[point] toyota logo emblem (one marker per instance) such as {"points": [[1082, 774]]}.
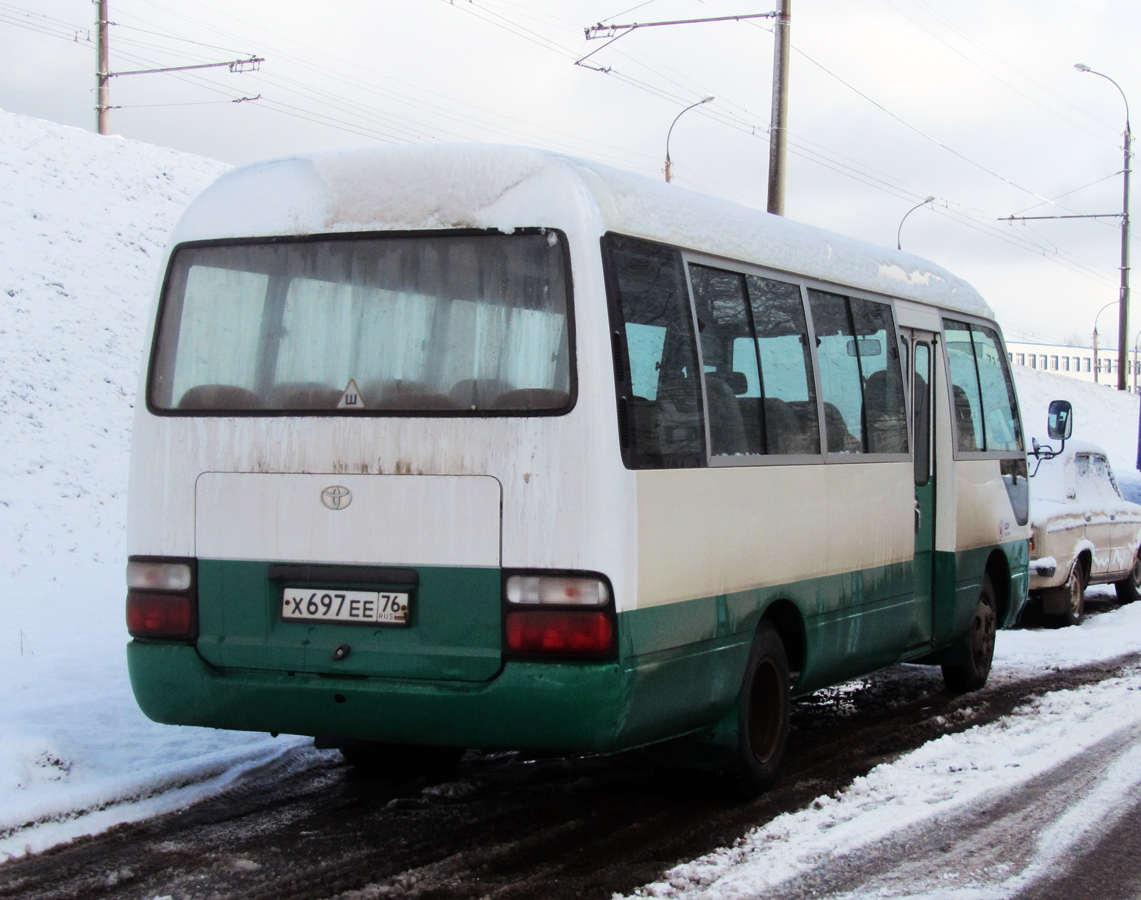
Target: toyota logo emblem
{"points": [[336, 496]]}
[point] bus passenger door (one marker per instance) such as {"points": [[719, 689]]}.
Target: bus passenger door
{"points": [[921, 355]]}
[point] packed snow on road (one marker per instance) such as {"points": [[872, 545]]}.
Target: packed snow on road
{"points": [[83, 221]]}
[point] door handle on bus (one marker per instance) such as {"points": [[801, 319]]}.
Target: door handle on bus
{"points": [[918, 517]]}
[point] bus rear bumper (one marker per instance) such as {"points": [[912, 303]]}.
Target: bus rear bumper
{"points": [[546, 706]]}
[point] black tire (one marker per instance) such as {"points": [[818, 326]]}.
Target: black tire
{"points": [[401, 760], [1129, 588], [978, 646], [762, 713], [1073, 595]]}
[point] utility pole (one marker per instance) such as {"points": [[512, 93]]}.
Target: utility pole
{"points": [[1123, 313], [103, 75], [777, 134], [1123, 296]]}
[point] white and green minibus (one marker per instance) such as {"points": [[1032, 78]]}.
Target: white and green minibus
{"points": [[488, 447]]}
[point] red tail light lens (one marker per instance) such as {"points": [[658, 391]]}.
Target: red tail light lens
{"points": [[160, 615], [559, 632]]}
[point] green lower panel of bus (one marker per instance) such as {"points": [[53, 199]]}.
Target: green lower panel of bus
{"points": [[553, 706], [679, 667]]}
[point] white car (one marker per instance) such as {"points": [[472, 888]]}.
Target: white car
{"points": [[1083, 532]]}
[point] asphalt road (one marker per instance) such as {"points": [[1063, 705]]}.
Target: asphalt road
{"points": [[514, 826]]}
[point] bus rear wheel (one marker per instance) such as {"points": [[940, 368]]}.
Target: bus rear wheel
{"points": [[763, 713], [978, 648]]}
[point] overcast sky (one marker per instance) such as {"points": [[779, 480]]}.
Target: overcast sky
{"points": [[973, 101]]}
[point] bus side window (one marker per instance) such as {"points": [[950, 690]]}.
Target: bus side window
{"points": [[1000, 409], [885, 413], [964, 386], [864, 406], [655, 357], [786, 363], [839, 372], [735, 426], [758, 365]]}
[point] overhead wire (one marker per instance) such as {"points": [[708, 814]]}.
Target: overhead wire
{"points": [[988, 72], [1004, 62], [379, 131], [370, 86]]}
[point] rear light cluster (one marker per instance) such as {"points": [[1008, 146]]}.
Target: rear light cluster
{"points": [[559, 615], [162, 599]]}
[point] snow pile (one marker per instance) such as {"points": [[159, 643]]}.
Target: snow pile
{"points": [[83, 221], [1102, 415]]}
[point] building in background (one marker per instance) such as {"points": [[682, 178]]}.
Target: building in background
{"points": [[1076, 362]]}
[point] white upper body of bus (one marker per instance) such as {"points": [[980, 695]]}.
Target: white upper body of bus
{"points": [[520, 486]]}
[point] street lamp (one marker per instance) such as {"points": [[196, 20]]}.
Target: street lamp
{"points": [[1123, 311], [904, 219], [669, 165], [1096, 365]]}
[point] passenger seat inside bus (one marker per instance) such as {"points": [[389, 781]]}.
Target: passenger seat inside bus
{"points": [[302, 395], [219, 396], [964, 420], [840, 440], [884, 413], [726, 428], [478, 393]]}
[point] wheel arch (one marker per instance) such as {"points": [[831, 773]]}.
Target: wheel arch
{"points": [[785, 617], [1084, 559], [998, 570]]}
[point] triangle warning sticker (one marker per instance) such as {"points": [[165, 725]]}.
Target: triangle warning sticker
{"points": [[351, 398]]}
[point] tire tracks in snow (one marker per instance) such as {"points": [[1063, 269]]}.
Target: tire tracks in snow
{"points": [[1044, 839]]}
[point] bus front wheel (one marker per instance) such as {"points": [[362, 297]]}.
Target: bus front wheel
{"points": [[978, 648], [763, 713]]}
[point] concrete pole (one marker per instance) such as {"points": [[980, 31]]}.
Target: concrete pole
{"points": [[1123, 313], [777, 135], [1096, 364], [103, 109]]}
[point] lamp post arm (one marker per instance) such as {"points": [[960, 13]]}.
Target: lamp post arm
{"points": [[899, 230], [671, 131]]}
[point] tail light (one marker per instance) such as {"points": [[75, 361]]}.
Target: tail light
{"points": [[561, 632], [162, 600], [564, 615]]}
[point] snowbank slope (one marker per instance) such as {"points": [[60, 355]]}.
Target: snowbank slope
{"points": [[83, 221], [1102, 415]]}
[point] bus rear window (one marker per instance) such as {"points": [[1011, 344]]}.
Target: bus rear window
{"points": [[449, 324]]}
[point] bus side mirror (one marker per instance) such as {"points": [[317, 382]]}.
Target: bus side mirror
{"points": [[1060, 423]]}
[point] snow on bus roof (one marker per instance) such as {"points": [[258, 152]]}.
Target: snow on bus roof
{"points": [[432, 186]]}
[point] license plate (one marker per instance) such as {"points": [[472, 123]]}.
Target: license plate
{"points": [[354, 607]]}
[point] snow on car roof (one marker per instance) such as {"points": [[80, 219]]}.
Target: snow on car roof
{"points": [[433, 186], [1052, 487]]}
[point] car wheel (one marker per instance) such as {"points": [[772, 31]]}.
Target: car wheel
{"points": [[762, 713], [978, 646], [1129, 588], [1074, 596]]}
